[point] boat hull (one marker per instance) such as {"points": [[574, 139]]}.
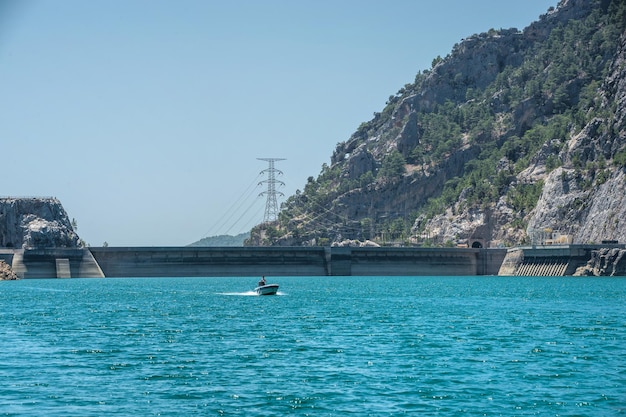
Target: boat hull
{"points": [[269, 289]]}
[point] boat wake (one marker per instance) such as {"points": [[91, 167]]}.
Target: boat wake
{"points": [[244, 294], [251, 293]]}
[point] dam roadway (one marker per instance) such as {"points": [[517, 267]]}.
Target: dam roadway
{"points": [[251, 261]]}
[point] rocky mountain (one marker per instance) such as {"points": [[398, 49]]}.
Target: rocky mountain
{"points": [[35, 223], [514, 137]]}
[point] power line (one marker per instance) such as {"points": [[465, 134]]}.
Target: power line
{"points": [[241, 216], [234, 208]]}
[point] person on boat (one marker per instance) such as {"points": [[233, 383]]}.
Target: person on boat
{"points": [[262, 282]]}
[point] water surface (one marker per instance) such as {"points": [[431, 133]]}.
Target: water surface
{"points": [[325, 346]]}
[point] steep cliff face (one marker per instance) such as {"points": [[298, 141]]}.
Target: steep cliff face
{"points": [[597, 212], [35, 223], [514, 136]]}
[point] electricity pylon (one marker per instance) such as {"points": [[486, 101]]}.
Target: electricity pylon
{"points": [[271, 206]]}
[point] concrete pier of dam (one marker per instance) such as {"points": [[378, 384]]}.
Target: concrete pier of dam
{"points": [[295, 261], [53, 263], [250, 261]]}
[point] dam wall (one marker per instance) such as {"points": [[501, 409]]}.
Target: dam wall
{"points": [[415, 261], [211, 261], [250, 261], [296, 261]]}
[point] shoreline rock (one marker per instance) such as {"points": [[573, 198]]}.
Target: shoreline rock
{"points": [[6, 273], [604, 262]]}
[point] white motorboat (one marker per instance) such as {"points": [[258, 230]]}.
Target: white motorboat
{"points": [[268, 289], [263, 288]]}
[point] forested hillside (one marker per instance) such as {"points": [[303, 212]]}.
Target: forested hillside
{"points": [[514, 137], [222, 240]]}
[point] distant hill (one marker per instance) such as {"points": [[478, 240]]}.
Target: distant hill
{"points": [[222, 240], [515, 137]]}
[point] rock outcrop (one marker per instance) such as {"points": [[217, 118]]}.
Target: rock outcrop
{"points": [[35, 223], [605, 262], [6, 273]]}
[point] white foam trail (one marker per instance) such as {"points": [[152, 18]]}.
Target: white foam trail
{"points": [[246, 294]]}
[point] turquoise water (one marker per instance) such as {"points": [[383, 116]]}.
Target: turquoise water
{"points": [[325, 346]]}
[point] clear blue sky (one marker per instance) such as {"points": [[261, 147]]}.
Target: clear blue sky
{"points": [[145, 117]]}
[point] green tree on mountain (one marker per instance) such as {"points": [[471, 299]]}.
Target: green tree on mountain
{"points": [[393, 166]]}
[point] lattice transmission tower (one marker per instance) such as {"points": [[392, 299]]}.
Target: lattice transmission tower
{"points": [[271, 206]]}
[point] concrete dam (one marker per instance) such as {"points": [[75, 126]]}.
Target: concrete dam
{"points": [[250, 261], [294, 261]]}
